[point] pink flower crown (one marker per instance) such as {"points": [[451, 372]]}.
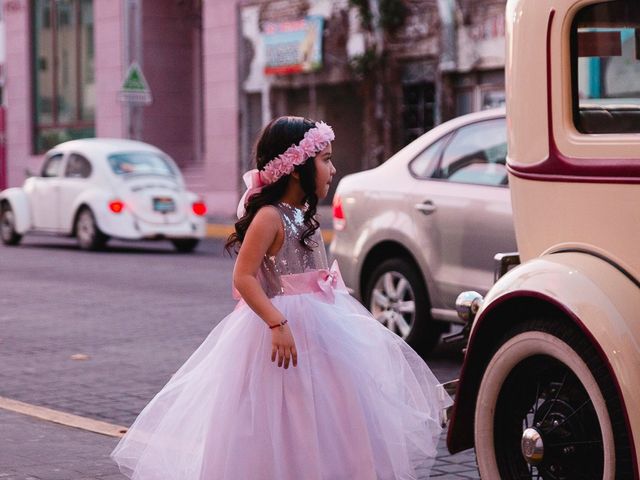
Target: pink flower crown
{"points": [[314, 141]]}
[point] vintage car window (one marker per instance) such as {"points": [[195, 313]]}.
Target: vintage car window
{"points": [[51, 167], [476, 154], [77, 167], [423, 164], [605, 51], [141, 163]]}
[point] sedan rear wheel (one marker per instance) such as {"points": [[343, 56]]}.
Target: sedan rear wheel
{"points": [[8, 232], [87, 232], [396, 296]]}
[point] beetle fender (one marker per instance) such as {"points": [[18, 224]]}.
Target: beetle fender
{"points": [[96, 200], [596, 295], [19, 203]]}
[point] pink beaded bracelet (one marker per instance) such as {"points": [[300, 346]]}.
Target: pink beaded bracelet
{"points": [[284, 322]]}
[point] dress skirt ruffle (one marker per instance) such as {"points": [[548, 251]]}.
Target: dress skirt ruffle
{"points": [[360, 405]]}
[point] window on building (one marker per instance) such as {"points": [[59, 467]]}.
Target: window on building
{"points": [[605, 47], [479, 91], [418, 109], [63, 60]]}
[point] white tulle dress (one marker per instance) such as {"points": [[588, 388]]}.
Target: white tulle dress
{"points": [[360, 405]]}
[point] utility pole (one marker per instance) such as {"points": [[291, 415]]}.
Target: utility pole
{"points": [[133, 53]]}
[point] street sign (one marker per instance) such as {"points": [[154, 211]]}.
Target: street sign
{"points": [[135, 89]]}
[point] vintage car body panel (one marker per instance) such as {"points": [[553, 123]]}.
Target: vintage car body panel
{"points": [[557, 172], [575, 203], [591, 291], [19, 202]]}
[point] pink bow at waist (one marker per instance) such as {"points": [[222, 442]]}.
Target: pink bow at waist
{"points": [[324, 281]]}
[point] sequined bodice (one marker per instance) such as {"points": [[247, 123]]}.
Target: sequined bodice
{"points": [[292, 256]]}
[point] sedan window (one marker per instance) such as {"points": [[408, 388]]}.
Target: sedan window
{"points": [[477, 154], [77, 167], [51, 167], [423, 165], [141, 163]]}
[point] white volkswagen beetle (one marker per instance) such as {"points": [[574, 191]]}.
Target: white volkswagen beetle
{"points": [[99, 188]]}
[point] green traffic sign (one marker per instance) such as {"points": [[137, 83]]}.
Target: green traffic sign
{"points": [[135, 89], [135, 81]]}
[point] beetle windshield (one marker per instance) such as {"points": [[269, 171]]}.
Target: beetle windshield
{"points": [[141, 163]]}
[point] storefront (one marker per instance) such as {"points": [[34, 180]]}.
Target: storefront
{"points": [[66, 67]]}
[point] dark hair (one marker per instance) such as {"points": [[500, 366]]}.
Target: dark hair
{"points": [[275, 138]]}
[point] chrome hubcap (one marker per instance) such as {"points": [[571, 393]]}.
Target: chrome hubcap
{"points": [[532, 446], [393, 303]]}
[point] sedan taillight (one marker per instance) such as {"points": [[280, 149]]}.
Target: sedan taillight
{"points": [[339, 222], [116, 206], [199, 208]]}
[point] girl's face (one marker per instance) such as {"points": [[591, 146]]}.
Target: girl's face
{"points": [[324, 172]]}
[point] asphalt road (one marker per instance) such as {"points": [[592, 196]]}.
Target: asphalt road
{"points": [[98, 334]]}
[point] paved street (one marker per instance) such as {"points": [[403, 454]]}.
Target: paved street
{"points": [[98, 334]]}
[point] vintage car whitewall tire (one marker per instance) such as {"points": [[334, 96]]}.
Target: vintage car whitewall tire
{"points": [[532, 359], [396, 296], [87, 232], [8, 233]]}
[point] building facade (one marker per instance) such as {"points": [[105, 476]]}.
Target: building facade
{"points": [[66, 63], [217, 70]]}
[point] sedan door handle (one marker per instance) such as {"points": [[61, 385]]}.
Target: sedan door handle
{"points": [[427, 207]]}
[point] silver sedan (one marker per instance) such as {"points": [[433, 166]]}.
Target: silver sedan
{"points": [[413, 233]]}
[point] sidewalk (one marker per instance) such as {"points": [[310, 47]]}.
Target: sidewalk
{"points": [[34, 449], [221, 227]]}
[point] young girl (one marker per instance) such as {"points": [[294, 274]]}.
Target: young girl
{"points": [[300, 382]]}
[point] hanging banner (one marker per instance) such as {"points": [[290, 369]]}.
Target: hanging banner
{"points": [[293, 47]]}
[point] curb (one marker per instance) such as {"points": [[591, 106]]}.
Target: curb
{"points": [[221, 231], [62, 418]]}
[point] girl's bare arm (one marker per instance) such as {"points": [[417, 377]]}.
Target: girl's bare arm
{"points": [[262, 235]]}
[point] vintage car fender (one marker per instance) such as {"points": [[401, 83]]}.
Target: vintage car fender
{"points": [[19, 202], [591, 291]]}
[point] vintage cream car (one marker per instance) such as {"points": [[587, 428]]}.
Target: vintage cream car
{"points": [[550, 386], [96, 188]]}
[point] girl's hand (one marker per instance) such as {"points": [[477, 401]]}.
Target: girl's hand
{"points": [[283, 346]]}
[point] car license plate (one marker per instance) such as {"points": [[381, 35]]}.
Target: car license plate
{"points": [[164, 204]]}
